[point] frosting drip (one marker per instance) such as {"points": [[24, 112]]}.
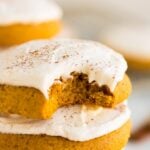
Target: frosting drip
{"points": [[39, 64]]}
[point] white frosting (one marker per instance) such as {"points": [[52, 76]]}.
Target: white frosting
{"points": [[132, 41], [77, 123], [39, 64], [28, 11]]}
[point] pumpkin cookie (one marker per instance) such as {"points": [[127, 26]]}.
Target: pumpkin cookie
{"points": [[45, 75], [71, 128], [132, 42]]}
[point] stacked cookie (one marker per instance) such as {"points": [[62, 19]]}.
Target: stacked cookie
{"points": [[63, 94], [25, 20]]}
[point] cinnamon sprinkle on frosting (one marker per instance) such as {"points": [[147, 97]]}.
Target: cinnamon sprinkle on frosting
{"points": [[45, 61]]}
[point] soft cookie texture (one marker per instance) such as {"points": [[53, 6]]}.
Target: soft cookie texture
{"points": [[132, 41], [112, 141], [28, 20], [76, 90], [46, 75]]}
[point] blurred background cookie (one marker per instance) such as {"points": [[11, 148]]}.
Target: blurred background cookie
{"points": [[133, 41], [25, 20]]}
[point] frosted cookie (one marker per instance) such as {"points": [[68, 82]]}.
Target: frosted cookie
{"points": [[133, 42], [45, 75], [71, 128], [25, 20]]}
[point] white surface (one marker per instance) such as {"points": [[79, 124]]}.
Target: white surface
{"points": [[77, 123], [139, 103], [142, 145], [28, 11], [139, 100], [39, 64]]}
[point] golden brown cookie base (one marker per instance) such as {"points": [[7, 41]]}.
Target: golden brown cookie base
{"points": [[31, 103], [19, 33], [138, 64], [112, 141]]}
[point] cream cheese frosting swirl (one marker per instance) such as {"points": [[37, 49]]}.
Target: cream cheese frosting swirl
{"points": [[39, 64]]}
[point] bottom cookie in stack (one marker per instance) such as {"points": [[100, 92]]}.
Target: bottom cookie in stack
{"points": [[77, 127]]}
